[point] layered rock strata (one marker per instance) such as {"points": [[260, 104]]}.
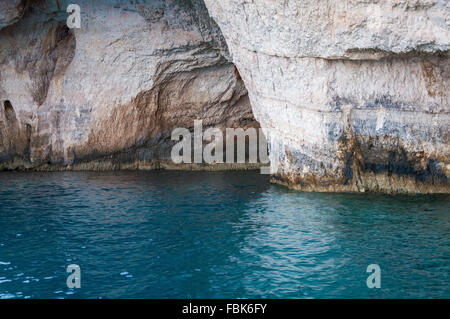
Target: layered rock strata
{"points": [[353, 95]]}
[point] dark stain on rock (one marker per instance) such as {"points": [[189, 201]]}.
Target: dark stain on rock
{"points": [[367, 163], [386, 155], [384, 101], [435, 74], [237, 74]]}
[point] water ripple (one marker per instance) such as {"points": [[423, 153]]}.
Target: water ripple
{"points": [[214, 235]]}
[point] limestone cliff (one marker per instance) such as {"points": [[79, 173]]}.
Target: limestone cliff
{"points": [[353, 94], [108, 95]]}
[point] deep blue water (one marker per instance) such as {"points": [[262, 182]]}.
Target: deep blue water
{"points": [[214, 235]]}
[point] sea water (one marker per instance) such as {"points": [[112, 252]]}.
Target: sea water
{"points": [[214, 235]]}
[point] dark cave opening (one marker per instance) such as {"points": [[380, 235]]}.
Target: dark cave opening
{"points": [[8, 107]]}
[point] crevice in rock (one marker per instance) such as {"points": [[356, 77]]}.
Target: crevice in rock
{"points": [[57, 52]]}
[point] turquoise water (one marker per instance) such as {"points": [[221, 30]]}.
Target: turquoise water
{"points": [[214, 235]]}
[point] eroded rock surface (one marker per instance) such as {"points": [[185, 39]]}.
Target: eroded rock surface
{"points": [[108, 95], [353, 95], [11, 11]]}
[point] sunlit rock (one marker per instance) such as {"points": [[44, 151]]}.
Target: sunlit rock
{"points": [[354, 94]]}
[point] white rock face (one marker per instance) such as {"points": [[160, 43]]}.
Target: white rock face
{"points": [[354, 95], [108, 95], [354, 29]]}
